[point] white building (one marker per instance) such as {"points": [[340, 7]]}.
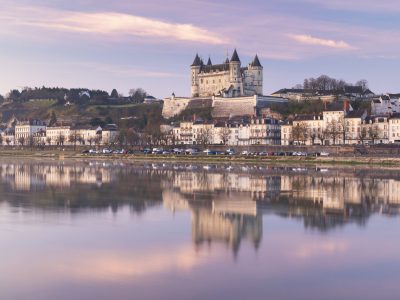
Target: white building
{"points": [[386, 105], [58, 135], [25, 130]]}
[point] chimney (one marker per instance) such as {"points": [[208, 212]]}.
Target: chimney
{"points": [[346, 105]]}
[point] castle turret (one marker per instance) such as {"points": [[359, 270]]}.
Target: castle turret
{"points": [[256, 69], [235, 74], [195, 71]]}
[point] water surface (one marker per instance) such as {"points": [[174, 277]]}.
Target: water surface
{"points": [[96, 230]]}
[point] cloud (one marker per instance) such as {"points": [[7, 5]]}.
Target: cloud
{"points": [[310, 40], [108, 23]]}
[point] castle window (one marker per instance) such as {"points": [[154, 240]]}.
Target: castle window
{"points": [[202, 81]]}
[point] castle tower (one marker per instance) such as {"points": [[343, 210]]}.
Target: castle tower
{"points": [[235, 74], [195, 71], [257, 71]]}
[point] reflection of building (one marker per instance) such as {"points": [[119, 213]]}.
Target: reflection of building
{"points": [[27, 177], [208, 227]]}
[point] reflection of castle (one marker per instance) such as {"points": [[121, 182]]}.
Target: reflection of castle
{"points": [[223, 220], [224, 203]]}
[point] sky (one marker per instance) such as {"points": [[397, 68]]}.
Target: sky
{"points": [[124, 44]]}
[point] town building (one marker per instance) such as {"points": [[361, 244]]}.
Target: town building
{"points": [[386, 105], [24, 131]]}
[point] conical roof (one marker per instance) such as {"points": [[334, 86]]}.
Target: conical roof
{"points": [[235, 57], [209, 63], [256, 62], [196, 62]]}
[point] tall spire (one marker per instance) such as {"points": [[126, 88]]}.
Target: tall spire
{"points": [[196, 62], [235, 57], [209, 63], [256, 62]]}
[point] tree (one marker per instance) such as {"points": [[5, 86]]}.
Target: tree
{"points": [[31, 141], [334, 130], [21, 140], [74, 138], [53, 119], [8, 141], [373, 133], [97, 140], [362, 135], [137, 95], [344, 128], [60, 140], [224, 134], [204, 136], [1, 139], [363, 83], [299, 133], [114, 94], [322, 135], [132, 137], [121, 138], [48, 140], [14, 95]]}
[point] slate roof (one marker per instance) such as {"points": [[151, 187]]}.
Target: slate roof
{"points": [[256, 62], [235, 57], [196, 62]]}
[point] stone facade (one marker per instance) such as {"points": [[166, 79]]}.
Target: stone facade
{"points": [[226, 79]]}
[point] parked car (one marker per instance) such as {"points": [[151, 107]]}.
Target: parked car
{"points": [[191, 151], [323, 153], [147, 151], [209, 152], [107, 151], [245, 152], [230, 152]]}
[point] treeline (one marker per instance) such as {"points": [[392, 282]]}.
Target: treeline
{"points": [[76, 95], [326, 83]]}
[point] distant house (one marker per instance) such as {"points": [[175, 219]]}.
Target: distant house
{"points": [[386, 105], [150, 99]]}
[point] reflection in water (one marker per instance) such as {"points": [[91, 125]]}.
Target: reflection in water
{"points": [[96, 230], [226, 203]]}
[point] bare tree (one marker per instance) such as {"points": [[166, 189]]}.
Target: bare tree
{"points": [[74, 138], [204, 136], [21, 141], [48, 140], [60, 139], [224, 134], [8, 141], [363, 83], [373, 133], [299, 133], [334, 130], [363, 135]]}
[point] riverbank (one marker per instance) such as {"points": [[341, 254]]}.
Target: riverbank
{"points": [[390, 162]]}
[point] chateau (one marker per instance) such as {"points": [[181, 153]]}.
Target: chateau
{"points": [[228, 79], [228, 89]]}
